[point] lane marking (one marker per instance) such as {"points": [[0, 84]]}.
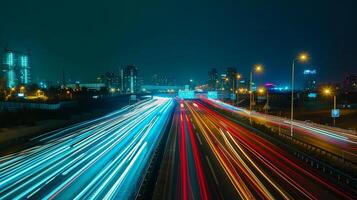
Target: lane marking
{"points": [[199, 139], [211, 168]]}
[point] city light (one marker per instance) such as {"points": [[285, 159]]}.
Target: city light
{"points": [[327, 91], [303, 57], [258, 68], [261, 90], [200, 105]]}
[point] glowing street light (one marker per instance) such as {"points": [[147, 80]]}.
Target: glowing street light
{"points": [[257, 68], [302, 57], [237, 77], [328, 92], [261, 90]]}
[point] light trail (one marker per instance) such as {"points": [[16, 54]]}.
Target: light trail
{"points": [[190, 160], [338, 141], [183, 177], [105, 158], [257, 168]]}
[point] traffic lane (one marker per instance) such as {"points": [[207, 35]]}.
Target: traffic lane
{"points": [[218, 183], [187, 175], [59, 152], [43, 143], [167, 178], [272, 149], [235, 172], [327, 133], [340, 145], [224, 173], [191, 181]]}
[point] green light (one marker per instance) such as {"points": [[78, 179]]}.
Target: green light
{"points": [[10, 59], [24, 61]]}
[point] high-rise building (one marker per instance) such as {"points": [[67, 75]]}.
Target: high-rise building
{"points": [[129, 77], [213, 79], [310, 79], [16, 69], [350, 83], [232, 80]]}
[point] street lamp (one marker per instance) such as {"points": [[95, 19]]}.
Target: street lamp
{"points": [[257, 68], [328, 92], [302, 57], [237, 77], [262, 90]]}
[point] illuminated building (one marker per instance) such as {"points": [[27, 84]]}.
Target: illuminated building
{"points": [[129, 78], [231, 81], [16, 69], [213, 79], [310, 79]]}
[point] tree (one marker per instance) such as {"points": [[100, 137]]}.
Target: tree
{"points": [[2, 88]]}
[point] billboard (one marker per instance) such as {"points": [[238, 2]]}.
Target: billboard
{"points": [[186, 94], [212, 95]]}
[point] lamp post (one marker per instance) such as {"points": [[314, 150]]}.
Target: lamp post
{"points": [[302, 58], [328, 92], [237, 77], [262, 90], [256, 68]]}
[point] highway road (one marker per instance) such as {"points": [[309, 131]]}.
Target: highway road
{"points": [[182, 175], [257, 168], [105, 158], [338, 141]]}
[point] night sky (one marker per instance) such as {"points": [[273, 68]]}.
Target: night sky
{"points": [[182, 38]]}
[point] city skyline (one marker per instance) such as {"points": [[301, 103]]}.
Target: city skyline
{"points": [[182, 44], [181, 99]]}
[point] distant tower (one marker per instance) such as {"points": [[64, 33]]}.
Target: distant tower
{"points": [[130, 79], [213, 79], [310, 80], [231, 75], [16, 68]]}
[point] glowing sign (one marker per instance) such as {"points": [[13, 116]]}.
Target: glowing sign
{"points": [[212, 95], [309, 71], [186, 94], [312, 95], [335, 113]]}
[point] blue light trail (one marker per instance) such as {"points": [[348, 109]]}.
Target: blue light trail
{"points": [[105, 158]]}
